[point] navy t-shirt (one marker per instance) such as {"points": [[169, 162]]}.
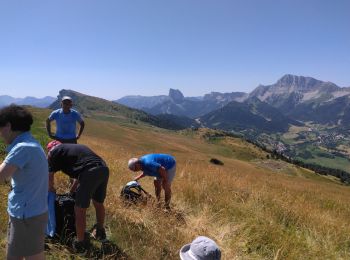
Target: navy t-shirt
{"points": [[72, 159]]}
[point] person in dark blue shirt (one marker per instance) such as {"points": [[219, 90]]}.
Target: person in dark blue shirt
{"points": [[90, 174], [160, 166]]}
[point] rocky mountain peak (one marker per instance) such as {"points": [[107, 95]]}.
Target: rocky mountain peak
{"points": [[302, 84], [211, 95], [298, 82], [176, 95], [289, 79]]}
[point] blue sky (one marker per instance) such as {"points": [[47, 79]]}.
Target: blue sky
{"points": [[113, 48]]}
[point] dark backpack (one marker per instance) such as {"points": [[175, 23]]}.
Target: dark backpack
{"points": [[133, 192], [65, 217]]}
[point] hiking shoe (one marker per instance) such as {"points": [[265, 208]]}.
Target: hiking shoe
{"points": [[80, 247], [99, 233]]}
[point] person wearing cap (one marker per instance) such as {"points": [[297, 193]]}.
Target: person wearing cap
{"points": [[66, 119], [202, 248], [160, 166], [91, 174], [26, 166]]}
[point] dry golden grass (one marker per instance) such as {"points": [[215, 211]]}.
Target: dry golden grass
{"points": [[254, 208], [253, 212]]}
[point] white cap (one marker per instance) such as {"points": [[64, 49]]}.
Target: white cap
{"points": [[132, 163], [66, 98]]}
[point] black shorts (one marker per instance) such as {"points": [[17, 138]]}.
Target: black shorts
{"points": [[92, 185], [67, 141]]}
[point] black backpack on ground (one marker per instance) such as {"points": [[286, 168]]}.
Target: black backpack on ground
{"points": [[65, 218], [133, 192]]}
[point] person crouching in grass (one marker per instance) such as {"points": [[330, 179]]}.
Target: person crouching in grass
{"points": [[26, 166]]}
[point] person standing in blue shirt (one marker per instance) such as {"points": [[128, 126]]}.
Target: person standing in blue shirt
{"points": [[162, 167], [26, 166], [66, 119]]}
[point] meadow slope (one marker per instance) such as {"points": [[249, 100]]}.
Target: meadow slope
{"points": [[254, 207]]}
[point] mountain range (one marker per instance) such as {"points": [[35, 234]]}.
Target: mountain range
{"points": [[176, 104], [307, 99], [296, 99], [31, 101], [292, 100]]}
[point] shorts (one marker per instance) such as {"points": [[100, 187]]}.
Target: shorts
{"points": [[92, 185], [26, 237], [170, 173]]}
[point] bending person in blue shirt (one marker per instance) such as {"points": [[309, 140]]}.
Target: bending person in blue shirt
{"points": [[66, 119], [161, 166], [27, 167]]}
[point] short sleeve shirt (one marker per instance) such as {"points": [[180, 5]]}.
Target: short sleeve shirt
{"points": [[72, 159], [65, 123], [28, 197], [152, 162]]}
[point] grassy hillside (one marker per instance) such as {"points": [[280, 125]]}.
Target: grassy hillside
{"points": [[103, 109], [254, 207]]}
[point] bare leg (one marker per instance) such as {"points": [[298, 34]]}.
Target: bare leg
{"points": [[167, 191], [157, 188], [100, 213], [80, 222]]}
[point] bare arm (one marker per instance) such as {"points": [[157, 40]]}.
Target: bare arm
{"points": [[6, 171], [81, 129], [52, 182], [48, 128], [139, 176]]}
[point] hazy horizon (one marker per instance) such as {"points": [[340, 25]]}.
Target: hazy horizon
{"points": [[166, 94]]}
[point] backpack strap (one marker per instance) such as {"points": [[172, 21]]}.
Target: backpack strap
{"points": [[144, 191]]}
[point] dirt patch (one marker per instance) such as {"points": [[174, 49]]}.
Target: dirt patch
{"points": [[273, 165]]}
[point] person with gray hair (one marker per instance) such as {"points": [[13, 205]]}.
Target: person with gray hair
{"points": [[202, 248], [160, 166]]}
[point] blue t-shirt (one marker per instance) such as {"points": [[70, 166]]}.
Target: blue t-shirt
{"points": [[28, 197], [65, 123], [152, 162]]}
